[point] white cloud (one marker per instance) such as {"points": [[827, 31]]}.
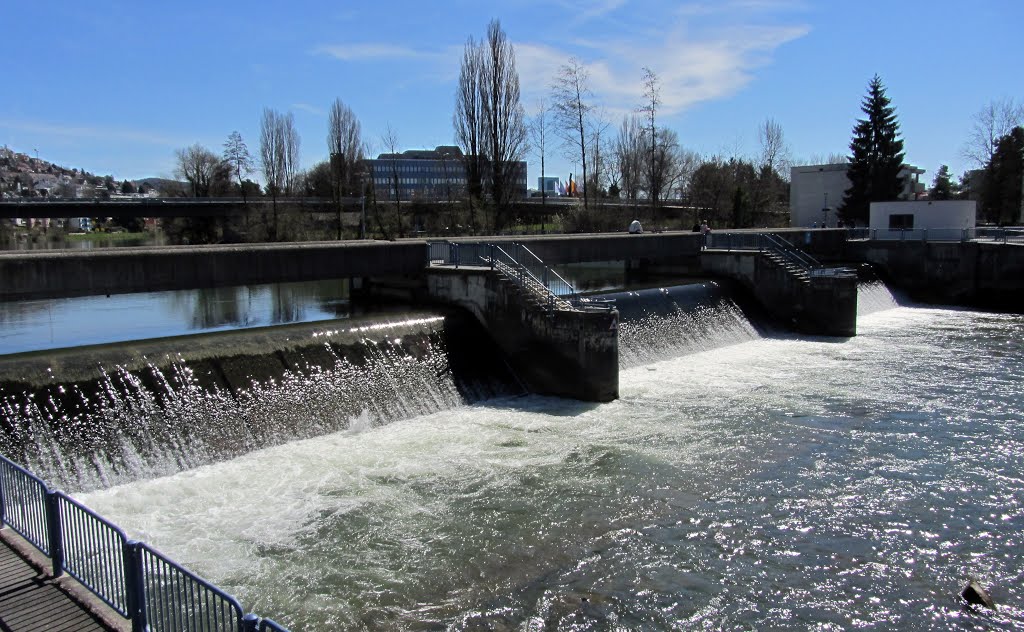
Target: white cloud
{"points": [[692, 69], [358, 52], [305, 107]]}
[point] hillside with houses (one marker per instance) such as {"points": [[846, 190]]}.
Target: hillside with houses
{"points": [[24, 176]]}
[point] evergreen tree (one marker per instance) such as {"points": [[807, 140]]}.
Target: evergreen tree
{"points": [[1004, 181], [943, 187], [876, 156]]}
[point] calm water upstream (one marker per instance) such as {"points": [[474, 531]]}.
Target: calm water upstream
{"points": [[763, 483], [72, 322]]}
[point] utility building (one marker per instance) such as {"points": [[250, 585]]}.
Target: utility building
{"points": [[816, 192]]}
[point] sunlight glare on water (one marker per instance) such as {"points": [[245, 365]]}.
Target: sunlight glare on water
{"points": [[776, 482]]}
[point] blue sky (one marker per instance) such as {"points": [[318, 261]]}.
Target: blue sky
{"points": [[116, 87]]}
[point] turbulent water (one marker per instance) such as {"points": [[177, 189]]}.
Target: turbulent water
{"points": [[746, 483]]}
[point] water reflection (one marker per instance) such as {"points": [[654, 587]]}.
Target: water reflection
{"points": [[58, 323]]}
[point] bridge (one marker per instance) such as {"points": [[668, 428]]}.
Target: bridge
{"points": [[161, 207]]}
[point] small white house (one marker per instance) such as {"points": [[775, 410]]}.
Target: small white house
{"points": [[923, 214]]}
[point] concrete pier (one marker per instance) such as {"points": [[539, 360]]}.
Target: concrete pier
{"points": [[555, 352]]}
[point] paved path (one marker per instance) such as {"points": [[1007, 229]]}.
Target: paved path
{"points": [[31, 601]]}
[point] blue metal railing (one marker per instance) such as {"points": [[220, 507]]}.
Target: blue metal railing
{"points": [[141, 584], [23, 504], [94, 553], [176, 600], [771, 243]]}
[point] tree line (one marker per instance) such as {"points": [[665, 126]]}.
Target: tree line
{"points": [[638, 161]]}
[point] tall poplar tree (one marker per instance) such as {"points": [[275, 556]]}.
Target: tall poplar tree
{"points": [[876, 156]]}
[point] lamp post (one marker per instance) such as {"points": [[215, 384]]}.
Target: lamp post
{"points": [[362, 203]]}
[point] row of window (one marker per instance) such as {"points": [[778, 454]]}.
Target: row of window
{"points": [[420, 181], [385, 166]]}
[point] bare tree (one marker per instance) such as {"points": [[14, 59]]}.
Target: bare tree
{"points": [[771, 164], [539, 141], [390, 142], [292, 169], [652, 99], [571, 105], [628, 150], [469, 121], [773, 144], [598, 140], [504, 119], [345, 145], [991, 123], [236, 154], [197, 165], [273, 159]]}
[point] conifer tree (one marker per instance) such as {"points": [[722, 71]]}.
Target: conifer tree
{"points": [[876, 156]]}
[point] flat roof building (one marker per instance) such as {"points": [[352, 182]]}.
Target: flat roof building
{"points": [[816, 192], [428, 174]]}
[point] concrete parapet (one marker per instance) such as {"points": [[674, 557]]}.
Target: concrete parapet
{"points": [[989, 275], [32, 275], [565, 353]]}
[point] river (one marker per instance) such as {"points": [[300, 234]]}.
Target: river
{"points": [[750, 482]]}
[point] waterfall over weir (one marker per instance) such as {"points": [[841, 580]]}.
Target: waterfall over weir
{"points": [[661, 323], [150, 411], [145, 417]]}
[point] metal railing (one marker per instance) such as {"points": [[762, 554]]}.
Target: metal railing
{"points": [[94, 553], [939, 235], [774, 244], [23, 504], [141, 584], [519, 264], [177, 600]]}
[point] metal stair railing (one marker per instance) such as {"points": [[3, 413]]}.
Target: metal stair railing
{"points": [[790, 253], [521, 274], [771, 243], [519, 264]]}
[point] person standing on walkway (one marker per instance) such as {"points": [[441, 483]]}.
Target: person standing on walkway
{"points": [[704, 231]]}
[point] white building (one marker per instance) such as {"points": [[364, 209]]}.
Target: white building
{"points": [[923, 214], [816, 192]]}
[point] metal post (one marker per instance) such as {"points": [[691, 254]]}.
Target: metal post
{"points": [[250, 622], [362, 217], [3, 501], [135, 585], [53, 529]]}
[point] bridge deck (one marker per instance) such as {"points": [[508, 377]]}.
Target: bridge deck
{"points": [[29, 600]]}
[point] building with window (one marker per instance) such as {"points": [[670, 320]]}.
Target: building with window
{"points": [[816, 192], [549, 185], [428, 174]]}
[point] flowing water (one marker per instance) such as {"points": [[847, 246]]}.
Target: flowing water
{"points": [[743, 482]]}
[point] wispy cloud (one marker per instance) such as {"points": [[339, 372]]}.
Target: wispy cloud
{"points": [[305, 107], [369, 51], [692, 69], [89, 132]]}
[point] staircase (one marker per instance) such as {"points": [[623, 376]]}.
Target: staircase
{"points": [[540, 286], [790, 284]]}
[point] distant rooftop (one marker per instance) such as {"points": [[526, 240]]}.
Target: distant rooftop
{"points": [[450, 152]]}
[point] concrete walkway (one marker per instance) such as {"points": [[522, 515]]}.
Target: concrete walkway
{"points": [[30, 600]]}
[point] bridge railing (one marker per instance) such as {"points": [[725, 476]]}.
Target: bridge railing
{"points": [[938, 235], [139, 583]]}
